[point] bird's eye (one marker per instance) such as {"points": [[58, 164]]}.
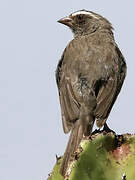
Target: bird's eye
{"points": [[80, 18]]}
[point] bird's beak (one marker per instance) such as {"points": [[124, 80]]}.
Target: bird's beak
{"points": [[67, 21]]}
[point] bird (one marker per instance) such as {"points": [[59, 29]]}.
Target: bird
{"points": [[89, 77]]}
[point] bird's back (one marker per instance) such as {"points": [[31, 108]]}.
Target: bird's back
{"points": [[88, 63]]}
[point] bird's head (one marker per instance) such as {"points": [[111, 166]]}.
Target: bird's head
{"points": [[85, 22]]}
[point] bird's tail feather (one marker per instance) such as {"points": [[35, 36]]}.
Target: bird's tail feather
{"points": [[74, 140]]}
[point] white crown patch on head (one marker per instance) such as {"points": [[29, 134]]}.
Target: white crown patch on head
{"points": [[85, 12]]}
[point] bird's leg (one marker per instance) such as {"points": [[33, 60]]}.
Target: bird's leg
{"points": [[96, 131], [107, 129]]}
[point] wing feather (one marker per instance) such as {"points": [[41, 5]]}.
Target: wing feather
{"points": [[68, 102], [105, 100], [70, 111]]}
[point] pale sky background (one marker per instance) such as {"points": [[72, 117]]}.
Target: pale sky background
{"points": [[31, 43]]}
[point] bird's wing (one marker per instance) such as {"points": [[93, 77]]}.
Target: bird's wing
{"points": [[68, 102], [105, 100], [109, 91]]}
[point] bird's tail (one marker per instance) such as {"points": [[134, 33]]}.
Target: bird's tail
{"points": [[74, 140]]}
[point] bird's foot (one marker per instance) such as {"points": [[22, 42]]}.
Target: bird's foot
{"points": [[96, 131], [107, 129]]}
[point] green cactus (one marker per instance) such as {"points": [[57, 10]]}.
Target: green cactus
{"points": [[103, 157]]}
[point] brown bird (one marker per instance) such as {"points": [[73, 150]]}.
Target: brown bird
{"points": [[89, 76]]}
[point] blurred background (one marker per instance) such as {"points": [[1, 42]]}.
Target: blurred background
{"points": [[31, 43]]}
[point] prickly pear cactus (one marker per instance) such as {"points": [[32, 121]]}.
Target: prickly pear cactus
{"points": [[103, 157]]}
